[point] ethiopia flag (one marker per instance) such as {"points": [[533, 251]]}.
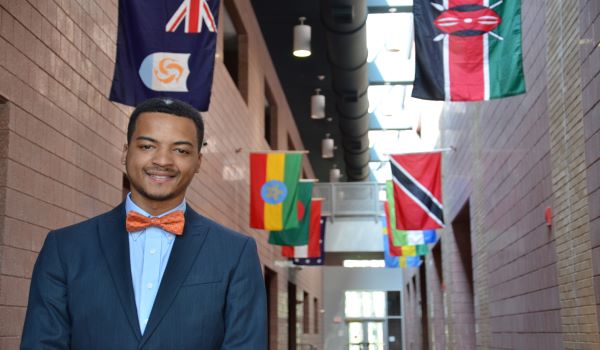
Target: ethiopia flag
{"points": [[299, 235], [468, 50], [274, 190]]}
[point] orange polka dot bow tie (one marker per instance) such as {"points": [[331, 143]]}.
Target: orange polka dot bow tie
{"points": [[172, 222]]}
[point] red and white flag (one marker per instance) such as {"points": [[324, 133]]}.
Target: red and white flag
{"points": [[418, 190], [313, 248]]}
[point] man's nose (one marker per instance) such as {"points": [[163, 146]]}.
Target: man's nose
{"points": [[163, 157]]}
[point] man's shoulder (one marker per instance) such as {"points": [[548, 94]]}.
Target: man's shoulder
{"points": [[217, 229], [88, 225]]}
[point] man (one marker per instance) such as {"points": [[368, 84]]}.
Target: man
{"points": [[130, 279]]}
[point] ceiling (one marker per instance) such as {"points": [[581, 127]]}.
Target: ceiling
{"points": [[392, 114], [300, 76]]}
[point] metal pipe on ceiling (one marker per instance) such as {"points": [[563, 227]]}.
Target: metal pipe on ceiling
{"points": [[345, 23]]}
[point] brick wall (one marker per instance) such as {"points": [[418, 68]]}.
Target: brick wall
{"points": [[589, 20], [62, 139], [570, 196], [533, 285]]}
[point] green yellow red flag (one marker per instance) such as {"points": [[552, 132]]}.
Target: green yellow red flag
{"points": [[274, 180]]}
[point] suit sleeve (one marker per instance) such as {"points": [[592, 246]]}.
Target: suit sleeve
{"points": [[246, 305], [47, 322]]}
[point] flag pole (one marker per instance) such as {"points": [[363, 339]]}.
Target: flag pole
{"points": [[280, 151], [445, 149]]}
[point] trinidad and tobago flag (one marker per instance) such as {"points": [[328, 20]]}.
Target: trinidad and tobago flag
{"points": [[417, 187], [468, 50]]}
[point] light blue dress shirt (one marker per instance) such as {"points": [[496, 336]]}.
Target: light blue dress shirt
{"points": [[149, 252]]}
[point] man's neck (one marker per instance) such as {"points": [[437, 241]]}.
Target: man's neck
{"points": [[156, 208]]}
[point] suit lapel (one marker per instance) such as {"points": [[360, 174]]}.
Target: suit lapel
{"points": [[115, 246], [184, 253]]}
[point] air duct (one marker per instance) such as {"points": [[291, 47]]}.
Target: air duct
{"points": [[345, 22]]}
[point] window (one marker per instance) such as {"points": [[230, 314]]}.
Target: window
{"points": [[235, 47], [291, 316], [393, 303], [271, 286], [271, 124], [316, 313], [364, 304], [305, 313]]}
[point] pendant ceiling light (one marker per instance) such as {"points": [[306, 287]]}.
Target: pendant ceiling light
{"points": [[302, 39], [327, 147], [317, 105], [334, 174]]}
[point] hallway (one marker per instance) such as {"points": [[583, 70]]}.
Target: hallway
{"points": [[517, 264]]}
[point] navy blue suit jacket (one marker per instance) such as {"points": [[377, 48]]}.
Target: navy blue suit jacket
{"points": [[212, 294]]}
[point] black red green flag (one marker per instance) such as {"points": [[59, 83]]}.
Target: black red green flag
{"points": [[468, 50]]}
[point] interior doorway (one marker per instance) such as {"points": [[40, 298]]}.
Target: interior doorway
{"points": [[366, 335], [461, 227]]}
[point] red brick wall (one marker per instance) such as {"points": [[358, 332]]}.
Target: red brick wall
{"points": [[590, 73], [502, 169], [61, 163]]}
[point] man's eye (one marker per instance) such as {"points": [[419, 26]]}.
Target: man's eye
{"points": [[146, 147], [182, 151]]}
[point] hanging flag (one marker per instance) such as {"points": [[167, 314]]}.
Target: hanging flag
{"points": [[274, 180], [414, 250], [390, 260], [165, 48], [394, 250], [410, 261], [420, 237], [315, 261], [314, 247], [418, 190], [467, 50], [397, 237], [398, 241], [299, 235]]}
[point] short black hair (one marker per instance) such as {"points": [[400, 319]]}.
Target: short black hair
{"points": [[169, 106]]}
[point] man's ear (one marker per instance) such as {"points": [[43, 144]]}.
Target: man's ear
{"points": [[198, 162], [124, 154]]}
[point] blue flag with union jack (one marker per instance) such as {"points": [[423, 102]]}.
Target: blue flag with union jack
{"points": [[165, 48]]}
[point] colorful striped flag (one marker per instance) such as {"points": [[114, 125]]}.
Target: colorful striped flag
{"points": [[410, 261], [391, 261], [402, 249], [414, 250], [299, 235], [468, 50], [420, 237], [313, 249], [417, 179], [274, 180], [394, 250]]}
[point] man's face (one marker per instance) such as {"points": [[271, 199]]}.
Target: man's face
{"points": [[161, 160]]}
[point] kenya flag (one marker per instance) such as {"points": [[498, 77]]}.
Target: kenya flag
{"points": [[468, 50]]}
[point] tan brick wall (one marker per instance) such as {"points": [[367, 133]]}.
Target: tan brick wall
{"points": [[62, 163], [590, 73], [571, 220], [502, 168]]}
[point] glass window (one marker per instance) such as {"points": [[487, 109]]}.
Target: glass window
{"points": [[393, 303], [363, 304]]}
